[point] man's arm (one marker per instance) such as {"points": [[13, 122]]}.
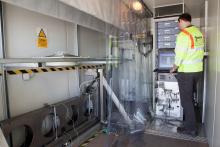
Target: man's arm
{"points": [[181, 48]]}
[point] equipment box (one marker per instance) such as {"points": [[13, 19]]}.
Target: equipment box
{"points": [[167, 38], [168, 31], [167, 24], [166, 45], [168, 100]]}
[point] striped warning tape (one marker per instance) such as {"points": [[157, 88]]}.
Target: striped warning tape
{"points": [[91, 138], [50, 69]]}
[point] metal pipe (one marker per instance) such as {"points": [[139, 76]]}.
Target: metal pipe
{"points": [[4, 85], [117, 102], [205, 65], [2, 31], [204, 91], [4, 75], [54, 59], [89, 106], [6, 102], [101, 96], [55, 122]]}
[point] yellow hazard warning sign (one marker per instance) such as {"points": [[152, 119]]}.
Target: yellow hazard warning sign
{"points": [[42, 41]]}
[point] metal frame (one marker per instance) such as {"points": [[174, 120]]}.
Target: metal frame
{"points": [[68, 124], [5, 98], [55, 59], [101, 96], [28, 62], [10, 63], [155, 53], [164, 19], [205, 65], [159, 6], [174, 14], [85, 136], [205, 61]]}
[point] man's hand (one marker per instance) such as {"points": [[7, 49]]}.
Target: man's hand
{"points": [[173, 69]]}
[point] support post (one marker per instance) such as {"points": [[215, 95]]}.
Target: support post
{"points": [[117, 102], [101, 96]]}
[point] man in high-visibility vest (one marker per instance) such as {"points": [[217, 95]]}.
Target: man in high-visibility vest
{"points": [[189, 53]]}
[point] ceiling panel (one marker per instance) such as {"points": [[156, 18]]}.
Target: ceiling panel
{"points": [[193, 6], [150, 4]]}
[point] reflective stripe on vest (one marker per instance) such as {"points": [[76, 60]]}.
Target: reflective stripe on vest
{"points": [[191, 38], [199, 49], [192, 62], [190, 49]]}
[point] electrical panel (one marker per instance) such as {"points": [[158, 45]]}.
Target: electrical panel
{"points": [[167, 97], [166, 34]]}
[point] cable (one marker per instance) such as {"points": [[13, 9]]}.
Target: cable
{"points": [[55, 124], [55, 121], [89, 89], [73, 124]]}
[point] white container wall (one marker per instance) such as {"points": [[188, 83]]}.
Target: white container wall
{"points": [[21, 34], [212, 123]]}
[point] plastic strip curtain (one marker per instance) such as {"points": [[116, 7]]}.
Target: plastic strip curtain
{"points": [[130, 80]]}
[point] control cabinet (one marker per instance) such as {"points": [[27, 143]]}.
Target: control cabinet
{"points": [[166, 34], [166, 92]]}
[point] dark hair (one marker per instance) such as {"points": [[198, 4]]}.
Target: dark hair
{"points": [[185, 17]]}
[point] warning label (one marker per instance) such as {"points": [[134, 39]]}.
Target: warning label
{"points": [[42, 41]]}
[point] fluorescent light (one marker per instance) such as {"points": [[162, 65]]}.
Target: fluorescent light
{"points": [[137, 6]]}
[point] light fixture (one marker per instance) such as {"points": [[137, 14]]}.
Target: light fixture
{"points": [[137, 5]]}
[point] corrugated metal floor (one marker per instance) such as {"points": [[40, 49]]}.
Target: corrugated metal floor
{"points": [[157, 134], [169, 129], [142, 140]]}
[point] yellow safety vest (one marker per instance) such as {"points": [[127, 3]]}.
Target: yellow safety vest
{"points": [[189, 50]]}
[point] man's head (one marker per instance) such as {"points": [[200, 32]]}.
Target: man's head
{"points": [[184, 20]]}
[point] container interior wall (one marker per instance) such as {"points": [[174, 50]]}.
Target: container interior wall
{"points": [[91, 43], [214, 72], [21, 27], [212, 109], [20, 37], [216, 140], [62, 25], [107, 11], [21, 33]]}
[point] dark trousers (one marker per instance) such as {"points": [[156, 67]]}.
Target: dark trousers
{"points": [[187, 85]]}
